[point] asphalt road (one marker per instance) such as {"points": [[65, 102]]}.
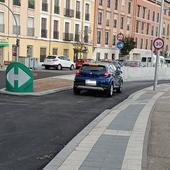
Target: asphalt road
{"points": [[38, 74], [34, 129]]}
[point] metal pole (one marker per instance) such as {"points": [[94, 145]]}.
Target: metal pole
{"points": [[160, 34], [17, 33]]}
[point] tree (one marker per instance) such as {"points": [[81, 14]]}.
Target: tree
{"points": [[129, 44]]}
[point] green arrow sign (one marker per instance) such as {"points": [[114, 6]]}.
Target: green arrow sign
{"points": [[19, 78]]}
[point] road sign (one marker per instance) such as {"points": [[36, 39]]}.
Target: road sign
{"points": [[120, 45], [19, 78], [120, 36], [158, 43]]}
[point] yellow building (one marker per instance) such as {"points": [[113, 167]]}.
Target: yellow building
{"points": [[46, 27]]}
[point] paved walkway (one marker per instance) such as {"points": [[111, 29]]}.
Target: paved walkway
{"points": [[117, 139]]}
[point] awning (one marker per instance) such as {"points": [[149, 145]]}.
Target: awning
{"points": [[4, 44]]}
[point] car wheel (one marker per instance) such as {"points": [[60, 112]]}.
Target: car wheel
{"points": [[47, 67], [72, 67], [76, 91], [59, 67], [109, 92], [119, 89]]}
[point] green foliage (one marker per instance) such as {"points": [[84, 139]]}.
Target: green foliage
{"points": [[129, 44]]}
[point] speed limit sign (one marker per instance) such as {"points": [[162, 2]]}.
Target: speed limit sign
{"points": [[158, 43]]}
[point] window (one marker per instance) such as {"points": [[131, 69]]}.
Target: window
{"points": [[156, 31], [144, 12], [42, 54], [164, 29], [153, 16], [44, 5], [55, 30], [77, 37], [106, 38], [107, 18], [128, 23], [121, 22], [55, 51], [108, 3], [100, 2], [168, 30], [151, 44], [141, 44], [148, 14], [138, 11], [137, 26], [116, 4], [29, 51], [17, 2], [87, 15], [98, 57], [30, 28], [146, 45], [115, 20], [66, 52], [31, 4], [147, 29], [86, 31], [152, 30], [44, 27], [123, 6], [98, 37], [78, 9], [1, 22], [157, 17], [105, 56], [143, 27], [56, 7], [99, 17], [129, 7], [16, 29], [113, 40]]}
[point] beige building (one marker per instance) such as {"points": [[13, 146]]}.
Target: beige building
{"points": [[46, 27]]}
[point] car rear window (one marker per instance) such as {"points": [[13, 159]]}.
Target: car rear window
{"points": [[51, 57], [93, 68]]}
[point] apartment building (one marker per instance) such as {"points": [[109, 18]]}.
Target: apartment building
{"points": [[134, 18], [46, 27]]}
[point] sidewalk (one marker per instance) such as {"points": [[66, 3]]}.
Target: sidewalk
{"points": [[118, 138]]}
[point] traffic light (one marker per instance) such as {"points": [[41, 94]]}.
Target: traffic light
{"points": [[17, 42]]}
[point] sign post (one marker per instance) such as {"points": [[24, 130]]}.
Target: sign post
{"points": [[19, 78]]}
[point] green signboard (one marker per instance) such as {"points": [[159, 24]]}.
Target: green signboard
{"points": [[4, 44], [19, 78]]}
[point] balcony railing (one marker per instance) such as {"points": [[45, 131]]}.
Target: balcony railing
{"points": [[86, 38], [16, 29], [44, 7], [78, 14], [87, 16], [56, 35], [30, 31], [2, 28], [44, 33], [57, 10], [68, 12], [77, 38], [68, 37]]}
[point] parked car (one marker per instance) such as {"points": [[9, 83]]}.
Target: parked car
{"points": [[58, 62], [80, 62], [132, 63], [98, 76]]}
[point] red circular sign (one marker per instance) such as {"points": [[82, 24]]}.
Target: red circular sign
{"points": [[158, 43]]}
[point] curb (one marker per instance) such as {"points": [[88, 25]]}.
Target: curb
{"points": [[3, 91]]}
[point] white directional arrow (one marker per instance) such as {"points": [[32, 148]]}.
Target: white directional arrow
{"points": [[21, 77]]}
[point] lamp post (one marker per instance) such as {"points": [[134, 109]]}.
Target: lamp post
{"points": [[17, 31], [160, 34]]}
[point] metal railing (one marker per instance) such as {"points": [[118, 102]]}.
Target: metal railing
{"points": [[77, 38], [56, 35], [68, 12], [44, 7], [68, 36], [78, 14], [44, 33], [56, 9]]}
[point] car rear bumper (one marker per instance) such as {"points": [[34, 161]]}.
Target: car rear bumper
{"points": [[50, 65], [90, 88]]}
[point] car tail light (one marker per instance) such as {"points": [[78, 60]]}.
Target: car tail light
{"points": [[106, 74], [78, 73]]}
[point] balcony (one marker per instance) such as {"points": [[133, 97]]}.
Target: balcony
{"points": [[44, 7], [44, 33], [16, 29], [68, 12], [78, 14], [77, 38], [2, 28], [87, 16], [30, 32], [68, 37], [57, 10], [56, 35], [86, 38]]}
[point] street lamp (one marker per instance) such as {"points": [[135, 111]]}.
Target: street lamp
{"points": [[157, 57], [17, 31]]}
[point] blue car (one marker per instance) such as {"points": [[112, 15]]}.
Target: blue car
{"points": [[99, 77]]}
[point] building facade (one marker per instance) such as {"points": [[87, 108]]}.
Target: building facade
{"points": [[138, 19], [46, 27]]}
